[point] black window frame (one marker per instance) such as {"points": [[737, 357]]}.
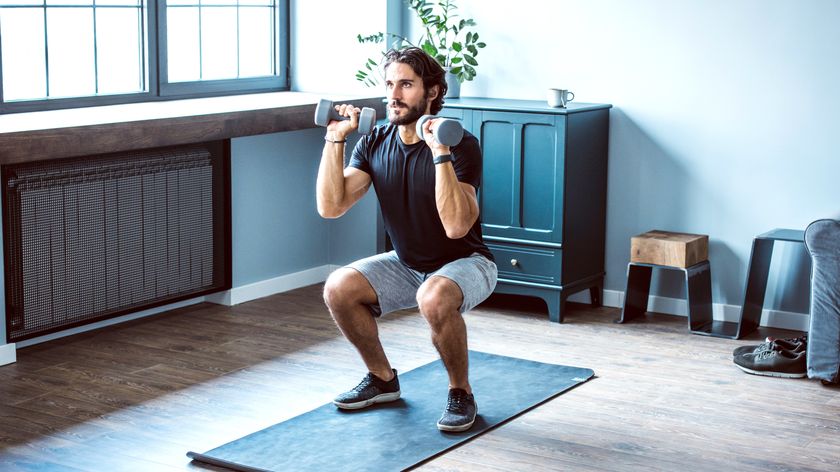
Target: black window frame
{"points": [[161, 90]]}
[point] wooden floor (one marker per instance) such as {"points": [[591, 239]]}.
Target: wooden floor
{"points": [[137, 396]]}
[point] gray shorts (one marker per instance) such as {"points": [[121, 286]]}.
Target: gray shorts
{"points": [[396, 284]]}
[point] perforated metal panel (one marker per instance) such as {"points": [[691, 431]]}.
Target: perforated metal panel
{"points": [[97, 237]]}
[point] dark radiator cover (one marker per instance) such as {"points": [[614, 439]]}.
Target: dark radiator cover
{"points": [[86, 239]]}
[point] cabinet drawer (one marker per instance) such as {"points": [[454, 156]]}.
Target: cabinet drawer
{"points": [[527, 263]]}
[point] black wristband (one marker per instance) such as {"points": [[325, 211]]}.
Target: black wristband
{"points": [[334, 142], [442, 158]]}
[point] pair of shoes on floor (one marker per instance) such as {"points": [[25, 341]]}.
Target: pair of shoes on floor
{"points": [[458, 416], [789, 344], [774, 358]]}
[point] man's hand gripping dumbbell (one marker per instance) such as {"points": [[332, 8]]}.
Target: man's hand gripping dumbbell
{"points": [[341, 120]]}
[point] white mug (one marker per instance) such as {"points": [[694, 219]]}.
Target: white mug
{"points": [[558, 98]]}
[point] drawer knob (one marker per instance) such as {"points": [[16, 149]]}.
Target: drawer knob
{"points": [[514, 262]]}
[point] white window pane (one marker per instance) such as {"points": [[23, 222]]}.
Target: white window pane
{"points": [[255, 51], [218, 43], [257, 2], [69, 2], [182, 44], [119, 2], [181, 2], [118, 49], [70, 40], [21, 2], [24, 67]]}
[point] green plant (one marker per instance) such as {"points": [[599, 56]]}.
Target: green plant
{"points": [[445, 37]]}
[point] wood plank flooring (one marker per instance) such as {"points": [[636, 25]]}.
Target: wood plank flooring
{"points": [[137, 396]]}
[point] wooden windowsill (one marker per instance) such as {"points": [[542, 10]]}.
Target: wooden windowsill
{"points": [[26, 137]]}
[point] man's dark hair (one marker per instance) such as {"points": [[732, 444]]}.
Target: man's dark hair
{"points": [[426, 67]]}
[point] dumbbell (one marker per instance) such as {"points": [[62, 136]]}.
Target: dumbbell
{"points": [[447, 132], [325, 112]]}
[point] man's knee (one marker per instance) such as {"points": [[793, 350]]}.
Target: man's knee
{"points": [[439, 299], [345, 288]]}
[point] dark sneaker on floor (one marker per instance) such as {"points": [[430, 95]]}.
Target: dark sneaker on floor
{"points": [[370, 390], [460, 412], [790, 344], [773, 363]]}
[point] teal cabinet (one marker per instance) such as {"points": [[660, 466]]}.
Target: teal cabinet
{"points": [[543, 194]]}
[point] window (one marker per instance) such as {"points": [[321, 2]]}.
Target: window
{"points": [[69, 53], [208, 43]]}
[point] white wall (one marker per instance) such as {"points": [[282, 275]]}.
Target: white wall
{"points": [[325, 52], [724, 120]]}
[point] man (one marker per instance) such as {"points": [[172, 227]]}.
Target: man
{"points": [[427, 193]]}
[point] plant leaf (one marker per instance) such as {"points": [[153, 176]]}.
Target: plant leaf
{"points": [[456, 46], [456, 60], [374, 38], [430, 49], [480, 45], [470, 60]]}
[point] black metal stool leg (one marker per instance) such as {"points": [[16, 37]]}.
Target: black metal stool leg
{"points": [[596, 295], [756, 285], [698, 283], [636, 294]]}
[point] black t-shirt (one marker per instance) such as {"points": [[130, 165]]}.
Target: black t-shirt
{"points": [[403, 176]]}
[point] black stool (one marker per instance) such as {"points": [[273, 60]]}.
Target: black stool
{"points": [[756, 285], [698, 284]]}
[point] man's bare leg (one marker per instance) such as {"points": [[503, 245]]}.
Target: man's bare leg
{"points": [[346, 293], [439, 299]]}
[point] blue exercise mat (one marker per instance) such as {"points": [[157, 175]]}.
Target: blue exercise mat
{"points": [[400, 434]]}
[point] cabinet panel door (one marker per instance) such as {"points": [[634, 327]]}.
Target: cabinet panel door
{"points": [[522, 183]]}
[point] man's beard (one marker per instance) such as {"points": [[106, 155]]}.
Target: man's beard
{"points": [[413, 114]]}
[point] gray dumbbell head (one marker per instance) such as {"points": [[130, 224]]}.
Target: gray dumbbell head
{"points": [[367, 120], [324, 111], [420, 122], [447, 132]]}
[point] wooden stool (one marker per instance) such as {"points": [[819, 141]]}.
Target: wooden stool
{"points": [[674, 251]]}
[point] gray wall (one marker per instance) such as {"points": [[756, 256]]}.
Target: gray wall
{"points": [[276, 226], [724, 121]]}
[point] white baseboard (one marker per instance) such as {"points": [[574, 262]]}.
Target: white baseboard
{"points": [[234, 296], [8, 354], [264, 288], [720, 311], [109, 322]]}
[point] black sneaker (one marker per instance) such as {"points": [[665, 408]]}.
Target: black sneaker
{"points": [[460, 411], [370, 390], [790, 344], [773, 363]]}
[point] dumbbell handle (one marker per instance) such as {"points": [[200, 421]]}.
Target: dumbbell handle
{"points": [[325, 112], [447, 131]]}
